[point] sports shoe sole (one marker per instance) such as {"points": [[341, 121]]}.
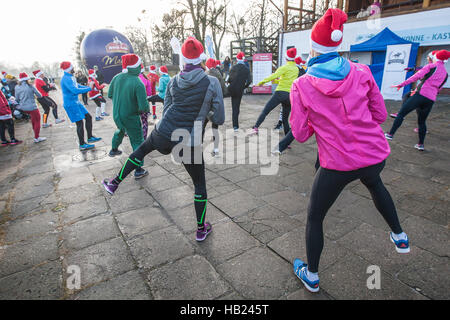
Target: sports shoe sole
{"points": [[400, 250]]}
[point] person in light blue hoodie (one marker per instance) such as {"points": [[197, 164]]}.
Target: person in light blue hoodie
{"points": [[163, 82]]}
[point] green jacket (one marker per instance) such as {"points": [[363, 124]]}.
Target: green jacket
{"points": [[129, 99], [287, 74]]}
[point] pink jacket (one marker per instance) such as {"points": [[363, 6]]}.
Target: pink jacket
{"points": [[345, 116], [433, 84], [147, 84]]}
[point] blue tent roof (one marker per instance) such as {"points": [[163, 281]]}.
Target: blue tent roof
{"points": [[380, 41]]}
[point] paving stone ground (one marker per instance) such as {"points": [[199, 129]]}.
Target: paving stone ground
{"points": [[140, 244]]}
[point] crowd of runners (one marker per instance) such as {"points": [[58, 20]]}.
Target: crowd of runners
{"points": [[335, 99]]}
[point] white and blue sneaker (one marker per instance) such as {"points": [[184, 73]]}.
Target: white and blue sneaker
{"points": [[94, 139], [401, 244], [301, 271], [86, 146]]}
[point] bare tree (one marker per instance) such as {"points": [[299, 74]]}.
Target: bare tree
{"points": [[140, 40], [77, 48], [218, 23]]}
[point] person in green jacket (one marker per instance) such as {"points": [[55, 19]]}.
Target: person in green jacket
{"points": [[286, 75], [129, 100]]}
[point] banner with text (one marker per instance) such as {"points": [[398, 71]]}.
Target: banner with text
{"points": [[262, 68], [397, 57]]}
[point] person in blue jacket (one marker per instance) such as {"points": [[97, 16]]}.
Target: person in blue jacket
{"points": [[163, 82], [74, 109]]}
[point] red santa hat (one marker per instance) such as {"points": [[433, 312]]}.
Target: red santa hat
{"points": [[66, 66], [240, 56], [218, 63], [23, 76], [211, 63], [442, 55], [290, 54], [37, 73], [152, 69], [4, 73], [92, 73], [192, 51], [299, 61], [130, 60], [163, 70], [327, 32]]}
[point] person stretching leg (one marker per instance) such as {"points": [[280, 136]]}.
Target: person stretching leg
{"points": [[192, 97]]}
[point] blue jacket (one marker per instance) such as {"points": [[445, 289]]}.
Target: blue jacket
{"points": [[71, 89], [163, 82]]}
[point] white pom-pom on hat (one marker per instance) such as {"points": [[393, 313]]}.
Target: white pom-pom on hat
{"points": [[336, 35]]}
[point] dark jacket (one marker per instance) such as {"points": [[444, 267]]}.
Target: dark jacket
{"points": [[216, 74], [239, 79], [191, 98], [82, 80], [12, 86], [100, 77]]}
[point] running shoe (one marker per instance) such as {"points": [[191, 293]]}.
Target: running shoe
{"points": [[417, 130], [40, 139], [419, 147], [393, 115], [109, 186], [94, 139], [59, 120], [15, 141], [254, 131], [98, 118], [46, 125], [276, 152], [203, 233], [236, 130], [104, 114], [5, 143], [86, 146], [114, 153], [301, 271], [279, 126], [215, 153], [401, 245], [140, 173], [388, 136]]}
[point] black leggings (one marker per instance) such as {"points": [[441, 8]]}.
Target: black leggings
{"points": [[277, 98], [236, 108], [80, 129], [197, 171], [423, 107], [327, 186], [98, 101], [155, 98], [47, 103], [6, 124]]}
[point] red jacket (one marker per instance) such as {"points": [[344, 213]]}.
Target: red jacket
{"points": [[42, 87], [154, 78], [4, 106], [96, 87]]}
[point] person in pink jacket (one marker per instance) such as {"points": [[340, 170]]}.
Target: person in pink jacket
{"points": [[148, 89], [339, 102], [433, 77]]}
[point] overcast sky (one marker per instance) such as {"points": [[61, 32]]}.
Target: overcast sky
{"points": [[45, 30]]}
